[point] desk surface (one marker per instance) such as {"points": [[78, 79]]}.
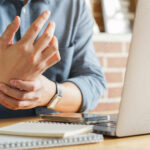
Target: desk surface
{"points": [[129, 143]]}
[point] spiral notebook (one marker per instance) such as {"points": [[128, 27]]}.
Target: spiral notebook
{"points": [[46, 129], [20, 142], [29, 135]]}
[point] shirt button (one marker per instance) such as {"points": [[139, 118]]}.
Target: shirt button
{"points": [[24, 10]]}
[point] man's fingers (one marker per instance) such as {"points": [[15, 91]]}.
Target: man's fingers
{"points": [[7, 101], [25, 85], [17, 94], [51, 54], [44, 40], [14, 104], [53, 60], [35, 28], [11, 92], [9, 33], [51, 50]]}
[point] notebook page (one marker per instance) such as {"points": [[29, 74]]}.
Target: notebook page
{"points": [[46, 129]]}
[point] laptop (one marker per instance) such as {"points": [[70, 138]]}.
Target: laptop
{"points": [[134, 112]]}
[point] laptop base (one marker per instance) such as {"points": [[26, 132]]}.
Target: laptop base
{"points": [[107, 128]]}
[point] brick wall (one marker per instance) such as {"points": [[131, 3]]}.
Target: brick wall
{"points": [[113, 55], [112, 52]]}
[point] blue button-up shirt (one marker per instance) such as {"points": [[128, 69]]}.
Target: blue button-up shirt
{"points": [[74, 24]]}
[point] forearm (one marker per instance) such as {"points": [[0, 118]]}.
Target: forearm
{"points": [[71, 98]]}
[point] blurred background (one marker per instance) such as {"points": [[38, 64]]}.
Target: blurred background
{"points": [[113, 16], [114, 21]]}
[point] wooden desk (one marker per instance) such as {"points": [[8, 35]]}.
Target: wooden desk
{"points": [[130, 143]]}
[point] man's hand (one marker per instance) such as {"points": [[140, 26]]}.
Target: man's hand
{"points": [[33, 93], [26, 59]]}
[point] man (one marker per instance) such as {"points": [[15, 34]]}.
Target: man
{"points": [[26, 52]]}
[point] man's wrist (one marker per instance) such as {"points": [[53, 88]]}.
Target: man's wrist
{"points": [[50, 89], [56, 98]]}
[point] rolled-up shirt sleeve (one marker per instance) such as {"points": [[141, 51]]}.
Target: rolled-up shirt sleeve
{"points": [[86, 72]]}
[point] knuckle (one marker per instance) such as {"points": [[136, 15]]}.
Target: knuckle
{"points": [[32, 60], [54, 47], [47, 36], [58, 58], [40, 66], [23, 48], [55, 44], [33, 88], [35, 27], [22, 96]]}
